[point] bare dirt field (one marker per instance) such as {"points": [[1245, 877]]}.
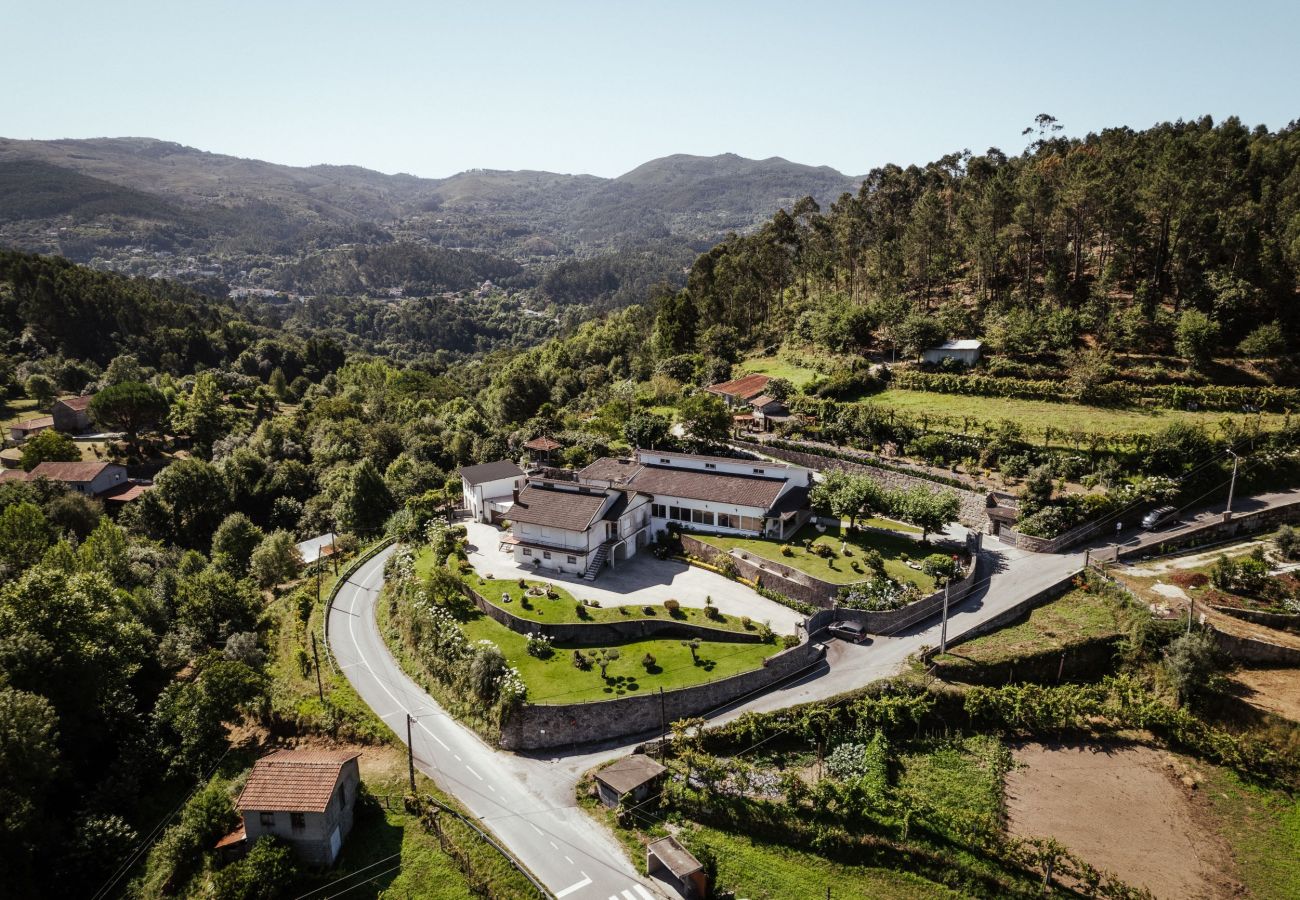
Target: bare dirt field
{"points": [[1272, 690], [1122, 808]]}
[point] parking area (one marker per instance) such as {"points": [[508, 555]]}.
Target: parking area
{"points": [[636, 582]]}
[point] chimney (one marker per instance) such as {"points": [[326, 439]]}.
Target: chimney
{"points": [[514, 495]]}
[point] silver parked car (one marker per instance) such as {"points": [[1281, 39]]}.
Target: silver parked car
{"points": [[1158, 517]]}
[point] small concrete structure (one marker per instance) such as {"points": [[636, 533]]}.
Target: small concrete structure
{"points": [[966, 352], [72, 414], [21, 431], [669, 861], [632, 778], [322, 547], [488, 489], [304, 797]]}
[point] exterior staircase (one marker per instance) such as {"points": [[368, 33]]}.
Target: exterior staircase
{"points": [[593, 568]]}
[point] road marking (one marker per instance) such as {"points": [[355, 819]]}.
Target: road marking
{"points": [[569, 859], [554, 846], [458, 759], [577, 886], [475, 774], [628, 895], [535, 828], [645, 895]]}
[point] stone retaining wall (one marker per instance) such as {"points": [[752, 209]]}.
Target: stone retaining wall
{"points": [[1240, 525], [891, 621], [601, 633], [1256, 652], [1280, 621], [973, 503], [534, 727], [797, 586], [1085, 660]]}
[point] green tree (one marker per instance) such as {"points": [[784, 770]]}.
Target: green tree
{"points": [[279, 384], [705, 418], [42, 389], [234, 541], [24, 536], [29, 762], [1191, 663], [647, 430], [200, 414], [214, 604], [1266, 340], [264, 874], [1196, 337], [186, 504], [276, 560], [191, 716], [129, 406], [48, 446], [365, 502], [930, 510]]}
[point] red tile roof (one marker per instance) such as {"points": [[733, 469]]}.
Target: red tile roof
{"points": [[14, 475], [294, 781], [32, 424], [80, 404], [127, 492], [744, 387], [545, 444], [709, 486], [71, 472]]}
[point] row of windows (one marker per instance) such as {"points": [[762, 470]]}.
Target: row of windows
{"points": [[707, 465], [704, 517], [546, 554]]}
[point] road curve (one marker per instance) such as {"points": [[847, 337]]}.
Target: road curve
{"points": [[527, 803]]}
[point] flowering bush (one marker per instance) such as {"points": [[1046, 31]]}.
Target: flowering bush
{"points": [[539, 645]]}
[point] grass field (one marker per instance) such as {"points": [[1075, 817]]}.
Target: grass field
{"points": [[1032, 415], [963, 778], [836, 569], [1262, 827], [565, 609], [557, 680], [1074, 618], [762, 871], [778, 367]]}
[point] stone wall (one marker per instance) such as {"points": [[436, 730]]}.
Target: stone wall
{"points": [[1241, 524], [1086, 660], [772, 575], [973, 503], [1256, 652], [1280, 621], [601, 633], [891, 621], [534, 727]]}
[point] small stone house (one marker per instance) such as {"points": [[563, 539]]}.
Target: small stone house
{"points": [[631, 779], [740, 391], [488, 489], [304, 797], [72, 414], [94, 479], [21, 431]]}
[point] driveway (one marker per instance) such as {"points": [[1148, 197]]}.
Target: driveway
{"points": [[638, 581]]}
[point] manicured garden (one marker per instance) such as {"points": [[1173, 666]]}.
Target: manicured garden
{"points": [[819, 553], [540, 601], [554, 678]]}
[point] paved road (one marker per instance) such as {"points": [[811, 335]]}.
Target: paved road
{"points": [[528, 803]]}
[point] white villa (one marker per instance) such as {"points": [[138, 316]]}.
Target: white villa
{"points": [[617, 506], [488, 489]]}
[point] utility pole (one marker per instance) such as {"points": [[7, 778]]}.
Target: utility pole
{"points": [[320, 690], [943, 630], [410, 753], [1232, 485], [663, 724], [1191, 612]]}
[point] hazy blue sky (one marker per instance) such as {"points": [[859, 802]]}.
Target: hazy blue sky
{"points": [[433, 88]]}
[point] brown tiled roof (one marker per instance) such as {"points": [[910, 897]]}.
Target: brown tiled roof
{"points": [[80, 404], [676, 857], [630, 772], [14, 475], [544, 444], [38, 422], [544, 504], [714, 487], [127, 492], [72, 472], [493, 471], [294, 781], [763, 400], [744, 387], [609, 468]]}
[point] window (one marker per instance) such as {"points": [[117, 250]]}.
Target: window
{"points": [[726, 521], [749, 523], [267, 819], [528, 552], [710, 465], [572, 560], [659, 511], [666, 462], [675, 512], [298, 821], [700, 517], [546, 554], [759, 471]]}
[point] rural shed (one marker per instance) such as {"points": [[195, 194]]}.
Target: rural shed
{"points": [[667, 857], [965, 352], [632, 777]]}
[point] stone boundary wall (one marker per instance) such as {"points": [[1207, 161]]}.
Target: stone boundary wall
{"points": [[1084, 660], [803, 588], [1240, 525], [1011, 614], [1279, 621], [535, 727], [600, 633], [891, 621], [1256, 652], [973, 503]]}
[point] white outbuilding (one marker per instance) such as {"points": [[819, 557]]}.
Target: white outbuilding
{"points": [[489, 489], [967, 352]]}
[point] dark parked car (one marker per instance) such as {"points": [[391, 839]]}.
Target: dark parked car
{"points": [[849, 631]]}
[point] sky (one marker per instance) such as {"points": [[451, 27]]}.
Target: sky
{"points": [[434, 88]]}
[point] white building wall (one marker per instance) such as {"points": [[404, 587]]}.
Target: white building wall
{"points": [[476, 496]]}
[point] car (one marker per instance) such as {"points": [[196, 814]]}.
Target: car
{"points": [[1160, 516], [852, 632]]}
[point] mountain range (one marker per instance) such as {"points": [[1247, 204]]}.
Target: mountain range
{"points": [[93, 198]]}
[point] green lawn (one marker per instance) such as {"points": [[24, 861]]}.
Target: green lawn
{"points": [[762, 871], [565, 609], [963, 778], [836, 569], [1075, 618], [1032, 415], [1262, 827], [15, 411], [557, 680], [779, 367]]}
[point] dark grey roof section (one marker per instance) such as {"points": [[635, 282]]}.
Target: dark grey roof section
{"points": [[711, 486], [493, 471], [791, 501], [545, 504]]}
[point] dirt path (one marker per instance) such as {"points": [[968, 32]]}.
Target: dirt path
{"points": [[1121, 808], [1272, 690]]}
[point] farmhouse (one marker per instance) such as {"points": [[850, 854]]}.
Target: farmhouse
{"points": [[94, 479], [487, 489], [21, 431], [72, 414], [965, 352], [617, 506], [306, 798], [740, 391]]}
